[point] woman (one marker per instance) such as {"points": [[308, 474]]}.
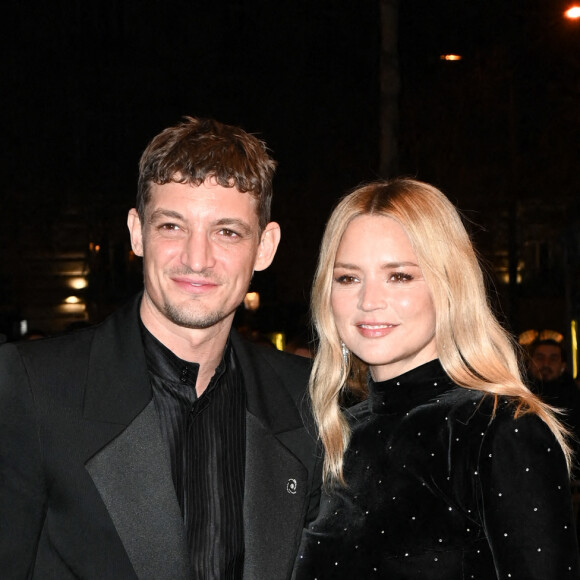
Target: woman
{"points": [[450, 468]]}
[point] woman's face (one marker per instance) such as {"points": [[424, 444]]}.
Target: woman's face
{"points": [[380, 301]]}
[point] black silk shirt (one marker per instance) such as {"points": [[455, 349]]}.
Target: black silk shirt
{"points": [[206, 441]]}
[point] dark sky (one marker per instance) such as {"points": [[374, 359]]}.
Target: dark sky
{"points": [[86, 89], [86, 84]]}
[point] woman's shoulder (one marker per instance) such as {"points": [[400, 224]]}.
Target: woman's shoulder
{"points": [[357, 412], [492, 433], [480, 411], [508, 421], [498, 420]]}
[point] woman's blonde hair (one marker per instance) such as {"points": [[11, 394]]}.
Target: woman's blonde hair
{"points": [[474, 350]]}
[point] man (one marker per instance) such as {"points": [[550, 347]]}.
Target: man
{"points": [[159, 444], [549, 380], [548, 360]]}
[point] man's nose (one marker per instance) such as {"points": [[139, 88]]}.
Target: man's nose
{"points": [[198, 252]]}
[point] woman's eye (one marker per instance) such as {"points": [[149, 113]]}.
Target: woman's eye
{"points": [[346, 279], [400, 277]]}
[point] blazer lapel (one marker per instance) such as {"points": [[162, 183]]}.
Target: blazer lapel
{"points": [[117, 382], [276, 491], [275, 499], [133, 477], [132, 470]]}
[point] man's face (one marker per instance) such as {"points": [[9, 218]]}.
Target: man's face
{"points": [[200, 247], [547, 364]]}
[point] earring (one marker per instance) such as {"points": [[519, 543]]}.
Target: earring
{"points": [[345, 353]]}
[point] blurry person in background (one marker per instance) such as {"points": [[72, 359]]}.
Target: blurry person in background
{"points": [[160, 444], [551, 381], [547, 360], [450, 468]]}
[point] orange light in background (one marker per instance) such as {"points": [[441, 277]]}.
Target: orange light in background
{"points": [[278, 339], [450, 57], [72, 300], [252, 301], [71, 305], [75, 309], [573, 13], [528, 336], [78, 283]]}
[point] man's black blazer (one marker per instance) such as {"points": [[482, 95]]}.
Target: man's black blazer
{"points": [[85, 481]]}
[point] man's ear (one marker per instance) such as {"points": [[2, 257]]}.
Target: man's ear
{"points": [[268, 245], [135, 231]]}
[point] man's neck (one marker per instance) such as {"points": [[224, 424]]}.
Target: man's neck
{"points": [[203, 346]]}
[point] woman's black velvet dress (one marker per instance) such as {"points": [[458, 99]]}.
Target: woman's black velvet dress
{"points": [[440, 490]]}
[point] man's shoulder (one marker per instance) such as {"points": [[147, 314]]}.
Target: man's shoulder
{"points": [[51, 349], [283, 363], [70, 348], [285, 360], [273, 379]]}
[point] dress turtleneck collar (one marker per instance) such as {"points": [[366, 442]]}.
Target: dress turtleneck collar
{"points": [[408, 390]]}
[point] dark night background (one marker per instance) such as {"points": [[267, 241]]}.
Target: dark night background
{"points": [[85, 86]]}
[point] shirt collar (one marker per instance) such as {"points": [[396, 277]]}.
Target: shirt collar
{"points": [[165, 364]]}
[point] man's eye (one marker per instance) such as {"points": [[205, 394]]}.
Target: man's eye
{"points": [[227, 233], [169, 227]]}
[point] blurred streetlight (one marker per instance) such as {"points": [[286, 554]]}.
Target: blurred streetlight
{"points": [[252, 301], [573, 13], [78, 283], [450, 57], [72, 300]]}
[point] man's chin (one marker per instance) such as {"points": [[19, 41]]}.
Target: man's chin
{"points": [[193, 320]]}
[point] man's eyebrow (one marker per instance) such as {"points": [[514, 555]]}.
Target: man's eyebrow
{"points": [[165, 213]]}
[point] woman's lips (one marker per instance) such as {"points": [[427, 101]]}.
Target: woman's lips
{"points": [[375, 329]]}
